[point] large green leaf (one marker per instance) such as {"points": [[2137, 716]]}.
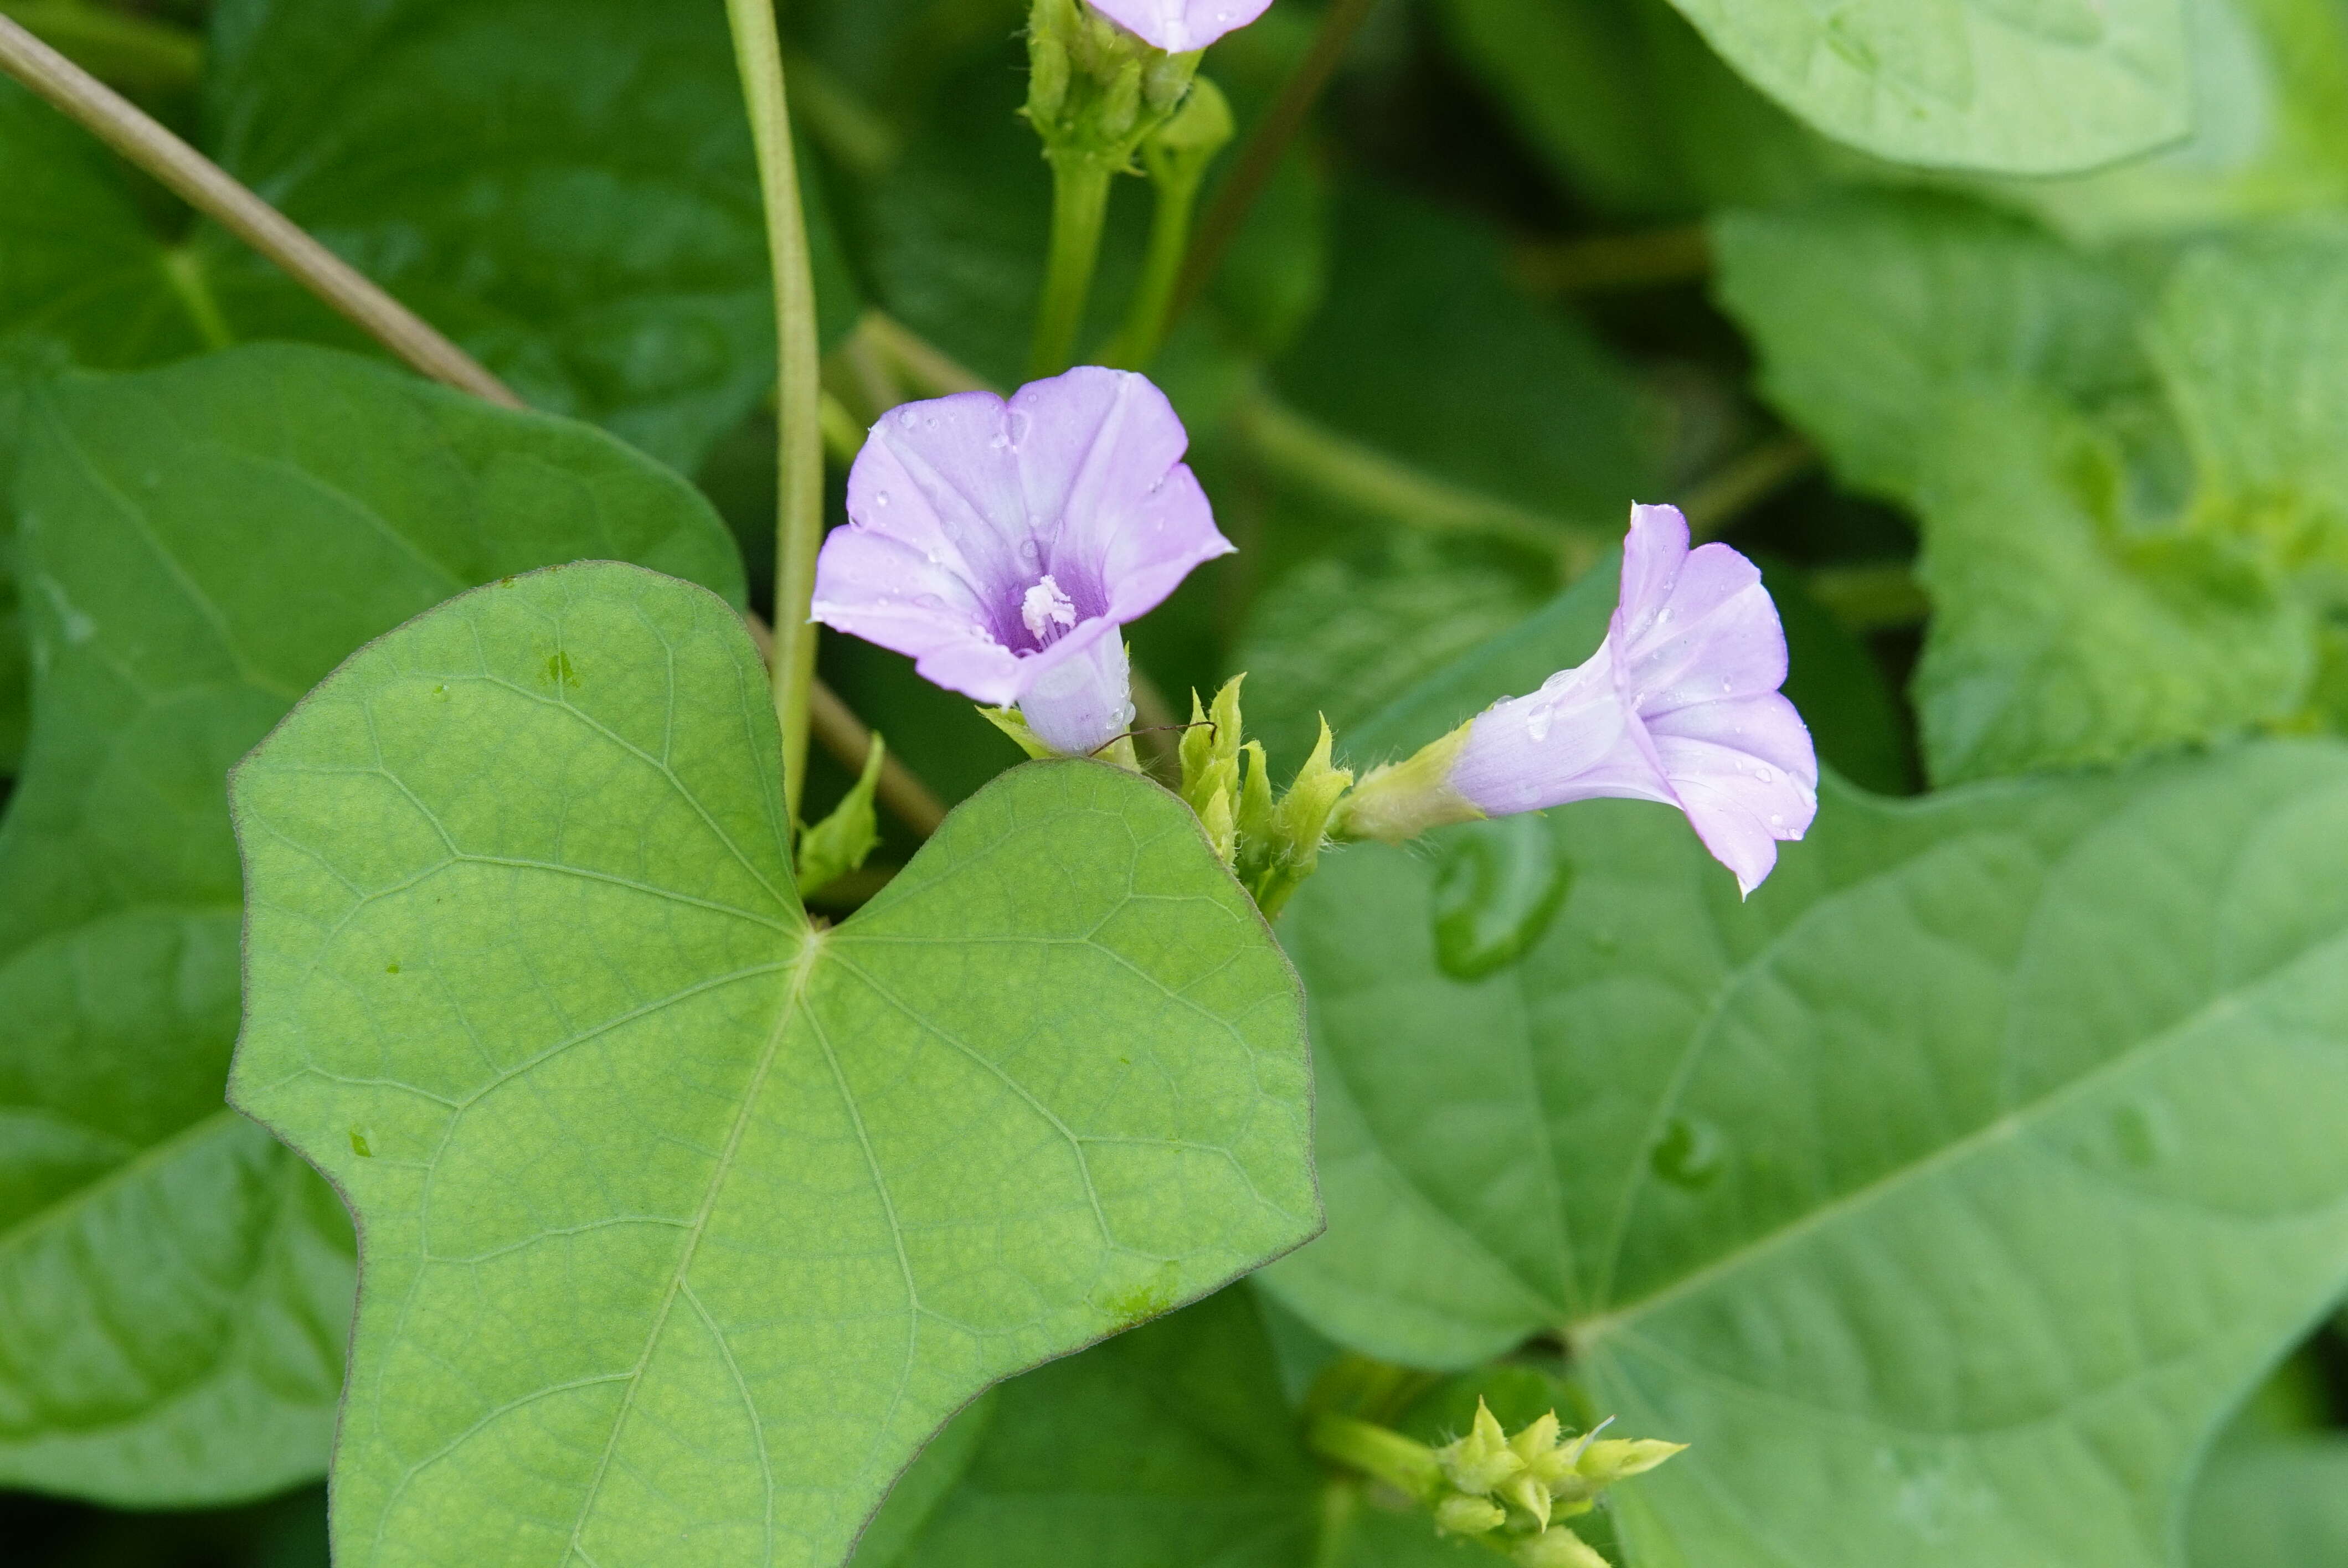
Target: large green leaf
{"points": [[1870, 311], [1465, 380], [2253, 339], [2060, 636], [1945, 1195], [2273, 1503], [2094, 597], [564, 186], [2270, 131], [1627, 103], [1169, 1445], [2015, 86], [80, 264], [201, 544], [683, 1221]]}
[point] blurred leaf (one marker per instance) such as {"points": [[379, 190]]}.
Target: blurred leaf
{"points": [[2272, 1504], [1942, 1195], [2016, 87], [1869, 310], [80, 264], [1341, 639], [566, 187], [199, 545], [2251, 337], [1425, 353], [2270, 131], [529, 980], [1167, 1445], [1631, 107], [2088, 606], [2058, 637], [1854, 718]]}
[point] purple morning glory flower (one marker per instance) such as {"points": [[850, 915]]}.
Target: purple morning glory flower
{"points": [[1680, 705], [1179, 26], [1003, 545]]}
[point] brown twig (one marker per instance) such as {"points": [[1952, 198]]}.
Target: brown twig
{"points": [[850, 740], [1265, 145], [208, 188]]}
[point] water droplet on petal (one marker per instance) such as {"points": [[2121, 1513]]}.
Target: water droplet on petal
{"points": [[1499, 885], [1766, 775], [909, 418], [1031, 552], [1776, 819], [1727, 685], [879, 497]]}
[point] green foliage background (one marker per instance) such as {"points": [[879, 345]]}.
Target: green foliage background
{"points": [[1975, 1194]]}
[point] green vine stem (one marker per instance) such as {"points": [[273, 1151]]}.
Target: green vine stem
{"points": [[208, 188], [798, 533], [1080, 210]]}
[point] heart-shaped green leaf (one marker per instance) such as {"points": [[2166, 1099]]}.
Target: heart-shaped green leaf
{"points": [[200, 545], [686, 1223], [2008, 86], [1945, 1195]]}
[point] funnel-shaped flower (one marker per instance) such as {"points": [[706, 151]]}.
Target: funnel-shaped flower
{"points": [[1680, 705], [1179, 26], [1004, 544]]}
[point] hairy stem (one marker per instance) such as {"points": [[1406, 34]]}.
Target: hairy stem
{"points": [[208, 189], [1265, 145], [798, 531], [1080, 210]]}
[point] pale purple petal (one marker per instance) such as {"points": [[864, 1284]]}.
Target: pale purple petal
{"points": [[1080, 691], [1179, 26], [1680, 705], [995, 542], [1746, 775]]}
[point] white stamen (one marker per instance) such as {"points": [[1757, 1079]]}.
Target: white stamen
{"points": [[1045, 607]]}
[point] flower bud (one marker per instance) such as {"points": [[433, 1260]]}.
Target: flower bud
{"points": [[1617, 1459], [1178, 154], [1558, 1548], [1458, 1515], [1482, 1459]]}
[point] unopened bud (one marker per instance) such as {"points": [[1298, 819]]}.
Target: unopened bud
{"points": [[1604, 1463], [1461, 1515], [1482, 1459], [1558, 1548]]}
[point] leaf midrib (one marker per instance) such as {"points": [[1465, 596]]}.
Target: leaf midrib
{"points": [[153, 1154], [809, 951]]}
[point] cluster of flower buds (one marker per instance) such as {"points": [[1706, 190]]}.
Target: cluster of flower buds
{"points": [[1510, 1493], [1005, 545], [1096, 90], [1272, 847]]}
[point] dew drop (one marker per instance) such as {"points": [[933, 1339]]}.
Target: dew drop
{"points": [[1776, 819], [1688, 1155], [909, 418], [2144, 1135], [1766, 775], [879, 497], [1497, 889], [1727, 685], [1031, 552]]}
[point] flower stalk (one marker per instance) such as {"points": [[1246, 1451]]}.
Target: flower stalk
{"points": [[1096, 93], [798, 533], [1177, 158]]}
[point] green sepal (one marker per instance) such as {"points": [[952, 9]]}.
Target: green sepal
{"points": [[1095, 91], [840, 843], [1012, 722], [1399, 801]]}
